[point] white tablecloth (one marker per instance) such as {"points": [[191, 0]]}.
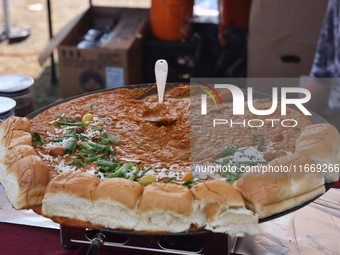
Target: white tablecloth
{"points": [[313, 229], [24, 217]]}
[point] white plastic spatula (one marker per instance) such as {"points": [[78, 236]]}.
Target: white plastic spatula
{"points": [[161, 71]]}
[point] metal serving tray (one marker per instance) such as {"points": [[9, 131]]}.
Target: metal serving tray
{"points": [[136, 241]]}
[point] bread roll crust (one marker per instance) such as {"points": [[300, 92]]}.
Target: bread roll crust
{"points": [[69, 195], [166, 197], [315, 148], [80, 184], [323, 154], [115, 203], [220, 208], [14, 123], [25, 181], [284, 205], [23, 174], [323, 131], [123, 191], [219, 193], [18, 152], [13, 132], [261, 190], [17, 137]]}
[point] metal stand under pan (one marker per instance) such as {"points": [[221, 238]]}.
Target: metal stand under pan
{"points": [[196, 242]]}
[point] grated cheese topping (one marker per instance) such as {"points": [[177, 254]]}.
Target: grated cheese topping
{"points": [[52, 145], [247, 154], [63, 167]]}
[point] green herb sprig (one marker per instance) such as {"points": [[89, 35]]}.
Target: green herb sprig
{"points": [[36, 139], [93, 107], [229, 151], [62, 123], [71, 120], [297, 129]]}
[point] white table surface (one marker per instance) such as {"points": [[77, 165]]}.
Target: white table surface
{"points": [[24, 217]]}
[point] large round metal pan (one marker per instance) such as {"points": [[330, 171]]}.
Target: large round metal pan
{"points": [[152, 90]]}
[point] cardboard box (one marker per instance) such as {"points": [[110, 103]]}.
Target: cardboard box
{"points": [[283, 37], [118, 62]]}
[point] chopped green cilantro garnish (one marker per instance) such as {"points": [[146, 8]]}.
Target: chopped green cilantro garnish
{"points": [[96, 158], [112, 138], [61, 123], [71, 120], [37, 139], [105, 141], [170, 180], [189, 183], [296, 129], [71, 146], [93, 107], [255, 136], [230, 150], [122, 171], [95, 139], [260, 144], [145, 171], [77, 163], [107, 123]]}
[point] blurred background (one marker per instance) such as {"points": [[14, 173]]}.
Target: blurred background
{"points": [[21, 56], [113, 43]]}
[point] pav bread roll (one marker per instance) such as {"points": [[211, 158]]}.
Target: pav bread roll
{"points": [[323, 131], [270, 193], [222, 209], [14, 131], [165, 207], [323, 154], [25, 181], [12, 156], [69, 195], [115, 203], [14, 123], [17, 137]]}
